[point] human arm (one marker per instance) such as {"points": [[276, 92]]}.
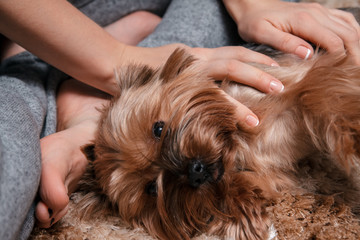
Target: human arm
{"points": [[64, 37], [288, 26], [47, 29], [61, 35]]}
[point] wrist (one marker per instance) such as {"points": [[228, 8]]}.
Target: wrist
{"points": [[153, 57], [98, 68], [105, 76]]}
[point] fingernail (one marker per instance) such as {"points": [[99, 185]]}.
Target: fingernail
{"points": [[276, 86], [50, 212], [275, 64], [303, 52], [252, 121], [52, 221]]}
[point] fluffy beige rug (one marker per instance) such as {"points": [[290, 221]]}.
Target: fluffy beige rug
{"points": [[305, 217], [294, 217], [336, 3]]}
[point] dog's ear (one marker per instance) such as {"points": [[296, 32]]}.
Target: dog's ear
{"points": [[89, 151], [178, 61], [134, 75]]}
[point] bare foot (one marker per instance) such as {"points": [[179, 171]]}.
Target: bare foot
{"points": [[63, 163]]}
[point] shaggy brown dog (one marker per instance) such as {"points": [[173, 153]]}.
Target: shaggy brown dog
{"points": [[172, 157]]}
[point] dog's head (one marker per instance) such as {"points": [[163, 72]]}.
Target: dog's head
{"points": [[165, 155]]}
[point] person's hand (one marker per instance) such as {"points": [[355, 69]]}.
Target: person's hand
{"points": [[288, 26], [222, 63], [232, 63]]}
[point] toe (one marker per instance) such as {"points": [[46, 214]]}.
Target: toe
{"points": [[43, 213], [53, 194], [46, 218]]}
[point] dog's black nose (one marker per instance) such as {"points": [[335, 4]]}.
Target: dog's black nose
{"points": [[198, 173]]}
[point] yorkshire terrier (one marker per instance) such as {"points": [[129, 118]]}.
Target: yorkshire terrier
{"points": [[171, 156]]}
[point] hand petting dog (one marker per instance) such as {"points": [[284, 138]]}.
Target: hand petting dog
{"points": [[288, 26]]}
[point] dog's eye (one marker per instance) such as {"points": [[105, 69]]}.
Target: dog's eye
{"points": [[151, 188], [157, 129]]}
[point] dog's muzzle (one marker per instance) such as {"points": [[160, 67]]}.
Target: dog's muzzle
{"points": [[199, 173]]}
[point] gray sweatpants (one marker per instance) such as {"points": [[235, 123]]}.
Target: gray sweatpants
{"points": [[28, 88]]}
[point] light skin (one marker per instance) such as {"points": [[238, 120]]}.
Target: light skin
{"points": [[288, 26], [62, 167]]}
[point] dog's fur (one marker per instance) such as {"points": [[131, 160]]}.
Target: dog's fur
{"points": [[171, 155]]}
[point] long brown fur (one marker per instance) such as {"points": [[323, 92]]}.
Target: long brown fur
{"points": [[307, 141]]}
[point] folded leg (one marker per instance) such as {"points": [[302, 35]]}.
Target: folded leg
{"points": [[23, 110]]}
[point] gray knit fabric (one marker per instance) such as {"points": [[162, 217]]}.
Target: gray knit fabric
{"points": [[105, 12], [27, 112], [200, 23], [28, 88]]}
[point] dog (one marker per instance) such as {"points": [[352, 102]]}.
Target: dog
{"points": [[171, 156]]}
